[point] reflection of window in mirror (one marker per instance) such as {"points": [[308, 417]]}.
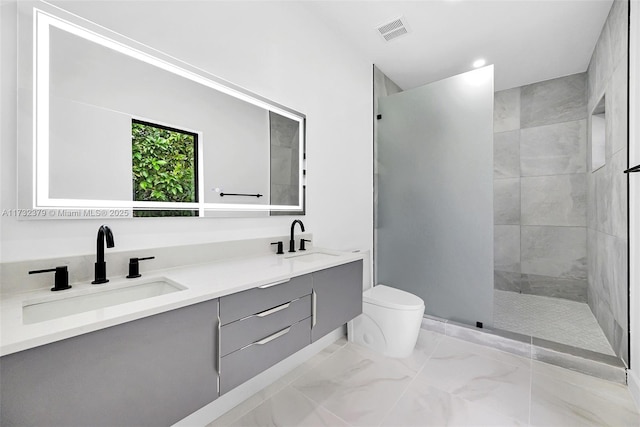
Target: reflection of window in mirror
{"points": [[164, 166], [598, 135]]}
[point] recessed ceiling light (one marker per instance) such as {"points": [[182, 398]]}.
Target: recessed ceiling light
{"points": [[479, 63]]}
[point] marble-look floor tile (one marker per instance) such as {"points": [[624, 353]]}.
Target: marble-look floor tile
{"points": [[506, 110], [483, 348], [558, 200], [558, 402], [606, 389], [553, 101], [506, 154], [255, 400], [247, 405], [502, 386], [423, 405], [426, 344], [289, 408], [462, 383], [555, 149], [359, 388], [323, 355]]}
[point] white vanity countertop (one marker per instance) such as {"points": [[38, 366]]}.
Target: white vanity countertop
{"points": [[203, 282]]}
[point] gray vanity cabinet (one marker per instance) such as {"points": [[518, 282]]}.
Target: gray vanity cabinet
{"points": [[262, 326], [338, 297], [149, 372]]}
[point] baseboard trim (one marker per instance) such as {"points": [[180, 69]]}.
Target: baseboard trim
{"points": [[633, 381], [598, 365]]}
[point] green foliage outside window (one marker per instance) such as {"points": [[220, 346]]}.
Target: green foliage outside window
{"points": [[164, 166]]}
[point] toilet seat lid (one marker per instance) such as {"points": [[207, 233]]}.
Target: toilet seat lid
{"points": [[386, 296]]}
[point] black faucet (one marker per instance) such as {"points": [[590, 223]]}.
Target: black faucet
{"points": [[292, 242], [101, 266]]}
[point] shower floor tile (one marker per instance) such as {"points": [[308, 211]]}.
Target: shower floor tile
{"points": [[553, 319]]}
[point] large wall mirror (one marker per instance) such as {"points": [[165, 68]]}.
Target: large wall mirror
{"points": [[118, 125]]}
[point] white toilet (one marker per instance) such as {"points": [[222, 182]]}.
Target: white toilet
{"points": [[390, 321]]}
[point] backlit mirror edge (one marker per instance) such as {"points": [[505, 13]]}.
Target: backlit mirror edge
{"points": [[46, 15]]}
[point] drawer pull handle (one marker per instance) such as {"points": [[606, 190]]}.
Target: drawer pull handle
{"points": [[273, 337], [314, 313], [273, 310], [268, 285]]}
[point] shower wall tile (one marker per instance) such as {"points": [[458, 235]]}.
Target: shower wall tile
{"points": [[618, 26], [532, 284], [553, 101], [506, 110], [507, 281], [619, 194], [556, 287], [506, 248], [614, 252], [592, 213], [616, 110], [506, 154], [604, 59], [559, 148], [281, 165], [600, 282], [506, 201], [607, 191], [608, 291], [602, 312], [592, 260], [611, 196], [604, 197], [621, 342], [554, 200], [554, 251], [592, 91]]}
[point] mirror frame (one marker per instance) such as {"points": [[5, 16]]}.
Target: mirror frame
{"points": [[58, 18]]}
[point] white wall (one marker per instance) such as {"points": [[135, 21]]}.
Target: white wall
{"points": [[275, 49], [634, 200]]}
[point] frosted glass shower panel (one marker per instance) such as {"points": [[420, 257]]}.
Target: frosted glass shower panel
{"points": [[435, 195]]}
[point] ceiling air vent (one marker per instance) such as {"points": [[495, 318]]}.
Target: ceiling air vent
{"points": [[394, 29]]}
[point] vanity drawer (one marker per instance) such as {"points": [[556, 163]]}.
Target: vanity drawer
{"points": [[242, 304], [245, 331], [243, 364]]}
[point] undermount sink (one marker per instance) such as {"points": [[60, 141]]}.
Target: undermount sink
{"points": [[34, 311], [311, 256]]}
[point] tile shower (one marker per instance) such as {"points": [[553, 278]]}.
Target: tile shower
{"points": [[560, 227], [540, 144]]}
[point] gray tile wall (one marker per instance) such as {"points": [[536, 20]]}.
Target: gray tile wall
{"points": [[285, 155], [540, 188], [607, 186]]}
